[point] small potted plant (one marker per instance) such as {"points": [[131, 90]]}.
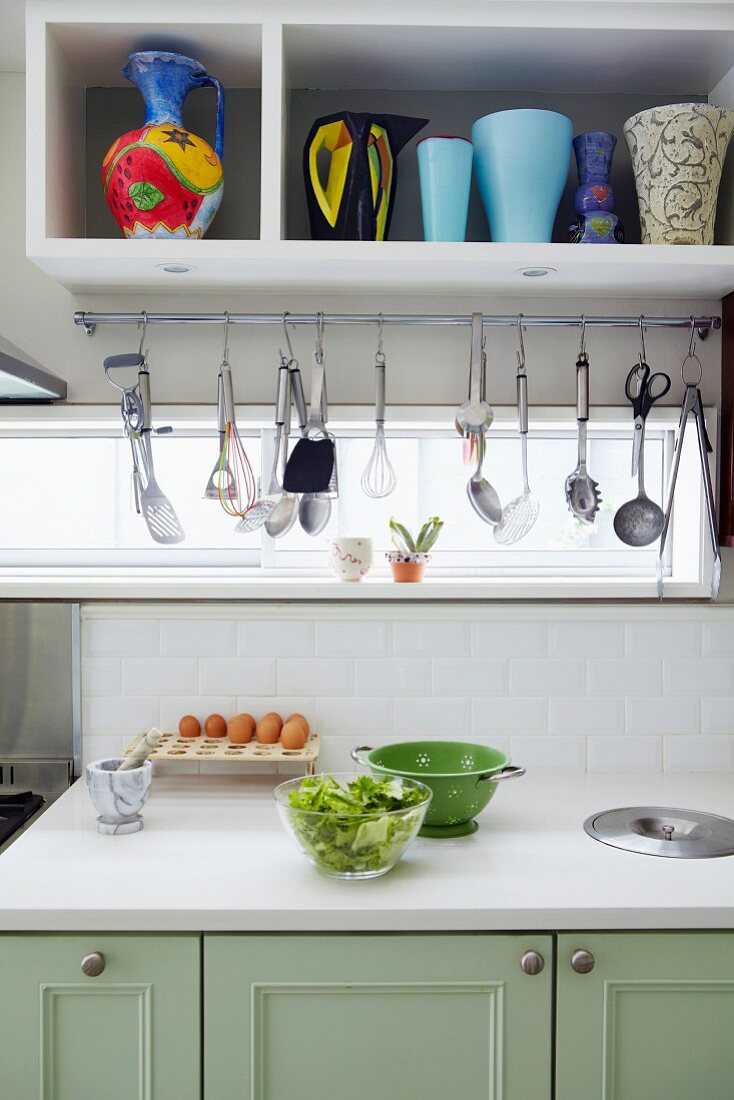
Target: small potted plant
{"points": [[408, 561]]}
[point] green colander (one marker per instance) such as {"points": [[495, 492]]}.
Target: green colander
{"points": [[463, 778]]}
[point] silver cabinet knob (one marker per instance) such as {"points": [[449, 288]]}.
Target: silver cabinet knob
{"points": [[583, 961], [532, 962], [93, 964]]}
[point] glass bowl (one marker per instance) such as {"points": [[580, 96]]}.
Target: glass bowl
{"points": [[352, 846]]}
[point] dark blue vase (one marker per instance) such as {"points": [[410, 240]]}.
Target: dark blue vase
{"points": [[594, 199]]}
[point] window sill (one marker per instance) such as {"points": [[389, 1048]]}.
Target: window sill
{"points": [[186, 584]]}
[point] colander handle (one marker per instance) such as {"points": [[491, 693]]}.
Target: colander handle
{"points": [[512, 771], [356, 751]]}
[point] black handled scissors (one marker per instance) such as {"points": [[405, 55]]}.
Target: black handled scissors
{"points": [[649, 389]]}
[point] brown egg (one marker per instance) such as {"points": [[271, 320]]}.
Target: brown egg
{"points": [[189, 726], [215, 726], [293, 736], [241, 729], [268, 731], [276, 717], [298, 718]]}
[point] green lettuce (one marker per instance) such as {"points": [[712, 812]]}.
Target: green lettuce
{"points": [[351, 829]]}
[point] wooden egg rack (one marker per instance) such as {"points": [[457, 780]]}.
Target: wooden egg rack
{"points": [[178, 750]]}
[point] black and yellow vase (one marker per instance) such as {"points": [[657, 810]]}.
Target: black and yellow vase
{"points": [[355, 204]]}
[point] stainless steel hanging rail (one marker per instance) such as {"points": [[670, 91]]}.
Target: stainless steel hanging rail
{"points": [[89, 321]]}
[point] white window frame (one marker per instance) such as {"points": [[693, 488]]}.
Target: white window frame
{"points": [[691, 554]]}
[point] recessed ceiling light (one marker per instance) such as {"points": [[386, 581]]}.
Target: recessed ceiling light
{"points": [[536, 272], [175, 269]]}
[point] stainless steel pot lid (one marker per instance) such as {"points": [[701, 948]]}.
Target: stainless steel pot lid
{"points": [[661, 831]]}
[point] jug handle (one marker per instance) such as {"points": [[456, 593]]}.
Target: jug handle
{"points": [[212, 82]]}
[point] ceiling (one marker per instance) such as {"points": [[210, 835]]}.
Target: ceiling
{"points": [[12, 36]]}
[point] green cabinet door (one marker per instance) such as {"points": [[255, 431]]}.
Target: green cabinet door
{"points": [[130, 1033], [653, 1020], [376, 1017]]}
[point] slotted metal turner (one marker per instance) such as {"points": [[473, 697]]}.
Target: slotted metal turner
{"points": [[159, 514]]}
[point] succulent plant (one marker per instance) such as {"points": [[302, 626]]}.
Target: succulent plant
{"points": [[422, 543]]}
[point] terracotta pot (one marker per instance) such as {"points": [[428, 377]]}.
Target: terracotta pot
{"points": [[407, 568], [407, 572]]}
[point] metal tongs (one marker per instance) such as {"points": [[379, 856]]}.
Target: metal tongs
{"points": [[692, 403]]}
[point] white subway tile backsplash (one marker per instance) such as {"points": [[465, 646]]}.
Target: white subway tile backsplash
{"points": [[276, 638], [345, 639], [710, 676], [664, 714], [717, 714], [237, 675], [429, 716], [96, 747], [119, 637], [553, 676], [623, 677], [173, 707], [564, 692], [313, 676], [664, 639], [141, 676], [509, 639], [354, 716], [549, 754], [586, 716], [505, 715], [586, 639], [699, 754], [469, 677], [411, 676], [198, 638], [718, 639], [625, 754], [101, 676], [107, 714], [431, 639]]}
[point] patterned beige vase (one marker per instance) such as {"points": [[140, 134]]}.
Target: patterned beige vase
{"points": [[678, 153]]}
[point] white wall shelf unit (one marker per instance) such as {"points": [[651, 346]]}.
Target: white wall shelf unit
{"points": [[597, 62]]}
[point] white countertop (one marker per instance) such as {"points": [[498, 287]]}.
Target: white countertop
{"points": [[213, 856]]}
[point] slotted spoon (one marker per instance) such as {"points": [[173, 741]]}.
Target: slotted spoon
{"points": [[519, 516], [158, 512]]}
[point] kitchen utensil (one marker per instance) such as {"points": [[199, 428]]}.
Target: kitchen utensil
{"points": [[582, 494], [482, 495], [639, 521], [692, 404], [211, 492], [237, 494], [158, 512], [379, 837], [462, 776], [175, 749], [311, 465], [118, 796], [141, 751], [379, 478], [131, 408], [475, 415], [519, 516], [284, 514]]}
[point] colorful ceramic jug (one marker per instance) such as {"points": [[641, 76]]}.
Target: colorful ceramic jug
{"points": [[356, 202], [162, 180], [594, 199]]}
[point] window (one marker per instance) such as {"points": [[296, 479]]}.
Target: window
{"points": [[65, 484]]}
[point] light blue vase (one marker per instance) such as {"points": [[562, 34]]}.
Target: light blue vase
{"points": [[444, 167], [521, 160]]}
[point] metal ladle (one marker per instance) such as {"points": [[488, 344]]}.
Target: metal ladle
{"points": [[639, 521], [582, 492], [483, 496]]}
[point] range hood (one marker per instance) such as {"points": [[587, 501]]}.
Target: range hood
{"points": [[22, 380]]}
